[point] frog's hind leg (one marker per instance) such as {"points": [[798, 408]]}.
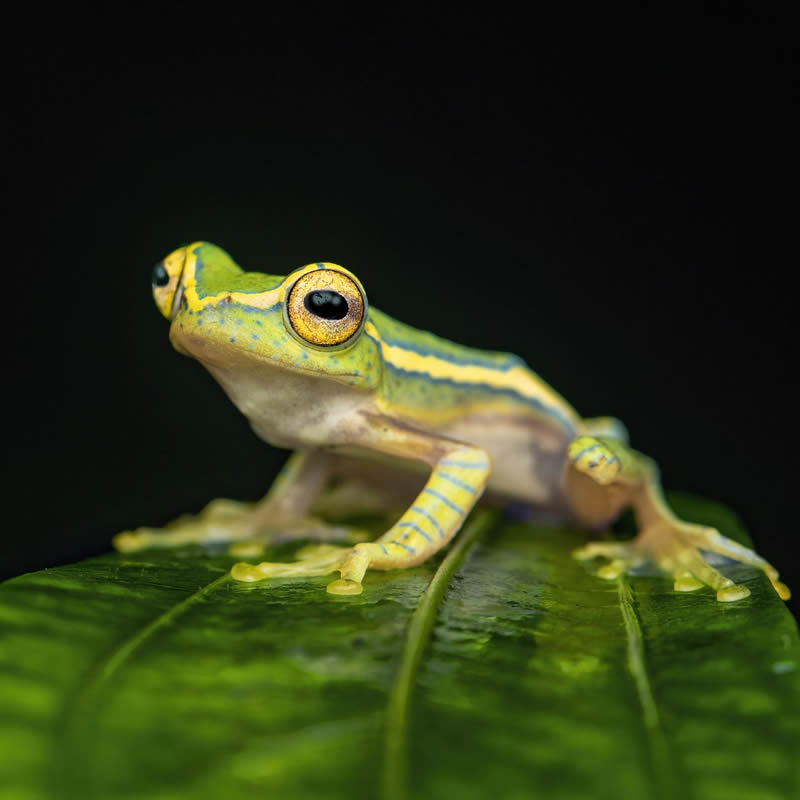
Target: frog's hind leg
{"points": [[283, 515], [603, 477]]}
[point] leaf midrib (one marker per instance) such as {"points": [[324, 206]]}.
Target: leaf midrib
{"points": [[394, 776], [665, 783]]}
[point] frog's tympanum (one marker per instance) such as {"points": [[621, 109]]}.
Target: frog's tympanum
{"points": [[367, 401]]}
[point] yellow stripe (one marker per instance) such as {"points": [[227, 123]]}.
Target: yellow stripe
{"points": [[256, 299], [518, 379]]}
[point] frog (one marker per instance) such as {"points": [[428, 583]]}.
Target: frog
{"points": [[358, 395]]}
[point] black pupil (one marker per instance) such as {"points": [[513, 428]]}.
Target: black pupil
{"points": [[326, 304], [160, 275]]}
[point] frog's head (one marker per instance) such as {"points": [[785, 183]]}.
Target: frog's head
{"points": [[310, 321]]}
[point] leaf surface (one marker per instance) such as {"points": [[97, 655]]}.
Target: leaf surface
{"points": [[518, 673]]}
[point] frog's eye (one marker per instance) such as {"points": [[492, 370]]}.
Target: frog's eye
{"points": [[325, 308], [160, 275]]}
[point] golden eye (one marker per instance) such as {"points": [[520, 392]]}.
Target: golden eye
{"points": [[325, 308]]}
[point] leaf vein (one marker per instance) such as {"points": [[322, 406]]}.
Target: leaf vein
{"points": [[74, 719], [395, 766], [660, 757]]}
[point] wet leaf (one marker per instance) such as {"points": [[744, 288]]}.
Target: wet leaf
{"points": [[516, 674]]}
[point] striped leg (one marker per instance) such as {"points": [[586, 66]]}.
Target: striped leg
{"points": [[430, 523], [457, 481]]}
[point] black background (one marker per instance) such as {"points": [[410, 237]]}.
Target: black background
{"points": [[612, 203]]}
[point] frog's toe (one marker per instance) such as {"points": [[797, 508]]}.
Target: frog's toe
{"points": [[345, 586], [595, 459], [612, 570], [686, 582], [710, 539], [609, 550], [621, 557], [246, 573], [325, 560], [695, 572], [728, 594], [675, 548], [131, 541]]}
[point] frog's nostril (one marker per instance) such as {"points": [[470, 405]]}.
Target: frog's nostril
{"points": [[160, 275]]}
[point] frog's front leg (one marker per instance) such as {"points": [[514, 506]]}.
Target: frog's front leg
{"points": [[604, 476], [458, 478], [282, 515]]}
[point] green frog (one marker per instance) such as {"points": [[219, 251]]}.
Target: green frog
{"points": [[361, 397]]}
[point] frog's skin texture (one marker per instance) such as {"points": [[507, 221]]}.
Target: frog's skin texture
{"points": [[355, 393]]}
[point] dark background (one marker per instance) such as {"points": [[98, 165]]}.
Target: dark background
{"points": [[612, 204]]}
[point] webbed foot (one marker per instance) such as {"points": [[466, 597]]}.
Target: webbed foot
{"points": [[314, 561], [675, 547]]}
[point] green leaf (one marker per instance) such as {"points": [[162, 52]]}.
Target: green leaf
{"points": [[516, 674]]}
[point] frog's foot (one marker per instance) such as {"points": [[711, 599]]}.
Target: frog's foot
{"points": [[621, 557], [350, 562], [675, 547], [595, 459], [249, 528], [315, 560]]}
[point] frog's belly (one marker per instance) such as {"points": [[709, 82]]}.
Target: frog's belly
{"points": [[528, 455], [528, 460], [528, 464]]}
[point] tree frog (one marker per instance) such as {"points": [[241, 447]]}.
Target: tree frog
{"points": [[358, 394]]}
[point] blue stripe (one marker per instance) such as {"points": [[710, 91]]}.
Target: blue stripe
{"points": [[553, 413], [501, 362], [415, 527], [455, 481], [449, 462], [404, 546], [586, 450], [440, 496], [256, 309], [430, 519], [384, 549]]}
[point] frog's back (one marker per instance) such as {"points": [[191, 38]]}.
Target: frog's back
{"points": [[489, 399], [437, 379]]}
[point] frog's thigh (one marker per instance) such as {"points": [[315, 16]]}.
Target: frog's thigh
{"points": [[604, 476], [456, 482]]}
